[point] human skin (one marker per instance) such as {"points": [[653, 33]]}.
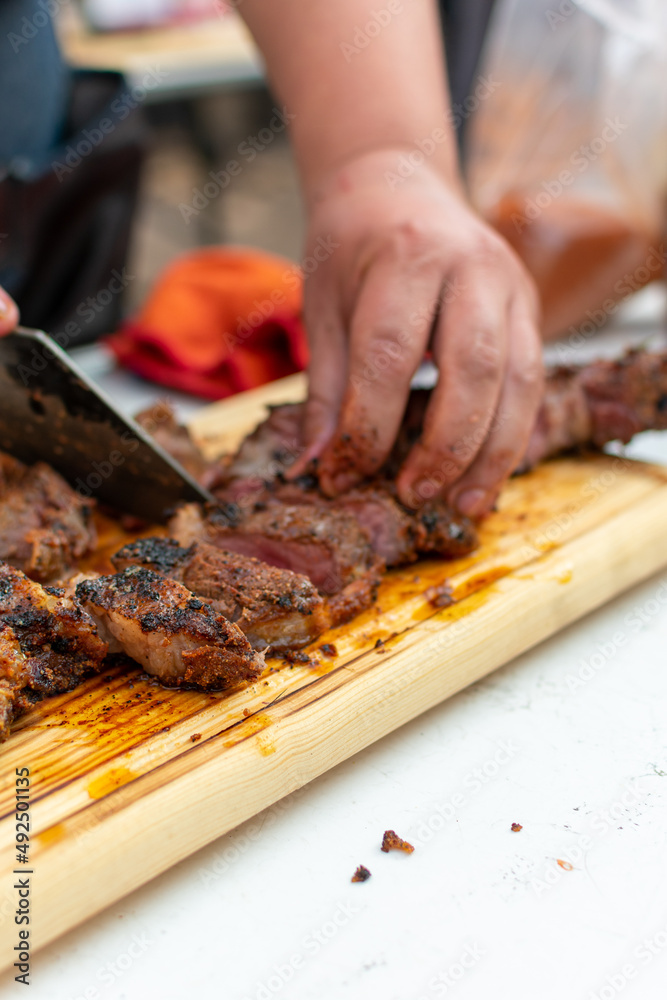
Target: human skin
{"points": [[412, 268]]}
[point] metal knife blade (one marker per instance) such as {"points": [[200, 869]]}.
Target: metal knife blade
{"points": [[51, 411]]}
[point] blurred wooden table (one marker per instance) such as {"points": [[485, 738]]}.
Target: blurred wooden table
{"points": [[186, 59]]}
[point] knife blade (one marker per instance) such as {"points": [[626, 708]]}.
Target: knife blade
{"points": [[51, 411]]}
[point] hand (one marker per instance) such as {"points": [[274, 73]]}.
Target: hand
{"points": [[9, 314], [411, 267]]}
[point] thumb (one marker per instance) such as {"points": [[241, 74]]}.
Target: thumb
{"points": [[9, 314]]}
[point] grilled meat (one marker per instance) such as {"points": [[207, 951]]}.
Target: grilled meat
{"points": [[160, 422], [273, 607], [48, 644], [44, 525], [170, 632], [600, 402], [397, 534], [589, 405], [327, 546]]}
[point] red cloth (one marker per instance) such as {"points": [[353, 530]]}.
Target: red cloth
{"points": [[218, 321]]}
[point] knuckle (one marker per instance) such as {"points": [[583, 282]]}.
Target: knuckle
{"points": [[414, 240], [386, 356], [482, 360]]}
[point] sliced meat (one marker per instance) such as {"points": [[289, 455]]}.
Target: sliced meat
{"points": [[160, 422], [48, 643], [266, 454], [170, 632], [273, 607], [44, 525], [399, 535], [326, 545]]}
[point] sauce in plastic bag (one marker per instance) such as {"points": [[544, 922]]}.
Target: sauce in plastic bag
{"points": [[584, 257]]}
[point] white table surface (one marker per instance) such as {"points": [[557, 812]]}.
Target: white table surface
{"points": [[477, 912]]}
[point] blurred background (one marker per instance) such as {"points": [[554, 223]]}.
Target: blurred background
{"points": [[210, 99]]}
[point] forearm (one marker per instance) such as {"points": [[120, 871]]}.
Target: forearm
{"points": [[353, 91]]}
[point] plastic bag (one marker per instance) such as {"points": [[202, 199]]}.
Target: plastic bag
{"points": [[567, 157]]}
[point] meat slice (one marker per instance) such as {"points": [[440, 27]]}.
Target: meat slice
{"points": [[44, 525], [326, 545], [160, 422], [173, 634], [273, 607], [265, 455], [48, 643]]}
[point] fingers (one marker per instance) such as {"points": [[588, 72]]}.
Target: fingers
{"points": [[470, 349], [326, 370], [476, 491], [389, 331], [9, 314]]}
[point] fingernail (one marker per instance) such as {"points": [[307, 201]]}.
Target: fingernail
{"points": [[472, 502]]}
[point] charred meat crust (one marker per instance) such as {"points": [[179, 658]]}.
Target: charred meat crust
{"points": [[170, 632], [272, 607], [44, 525], [49, 643]]}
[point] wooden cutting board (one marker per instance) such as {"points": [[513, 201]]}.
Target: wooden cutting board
{"points": [[128, 778]]}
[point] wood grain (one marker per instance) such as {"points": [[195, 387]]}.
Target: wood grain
{"points": [[120, 790]]}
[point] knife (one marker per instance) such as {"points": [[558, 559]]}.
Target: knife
{"points": [[51, 411]]}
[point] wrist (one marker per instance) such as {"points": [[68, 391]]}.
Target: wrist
{"points": [[389, 165]]}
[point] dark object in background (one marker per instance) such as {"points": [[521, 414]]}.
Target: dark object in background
{"points": [[67, 214], [465, 24]]}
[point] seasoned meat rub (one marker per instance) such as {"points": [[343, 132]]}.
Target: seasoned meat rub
{"points": [[273, 607], [47, 643], [170, 632]]}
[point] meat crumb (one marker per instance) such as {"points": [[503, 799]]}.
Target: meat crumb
{"points": [[329, 650], [246, 712], [361, 875], [440, 596], [379, 644], [392, 842], [297, 656], [195, 737], [516, 827]]}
